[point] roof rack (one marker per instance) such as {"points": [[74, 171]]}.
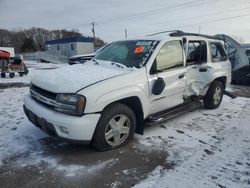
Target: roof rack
{"points": [[161, 32], [181, 34]]}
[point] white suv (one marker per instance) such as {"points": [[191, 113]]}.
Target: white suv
{"points": [[106, 100]]}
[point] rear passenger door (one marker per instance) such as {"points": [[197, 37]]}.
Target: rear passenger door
{"points": [[219, 62], [169, 63], [198, 70]]}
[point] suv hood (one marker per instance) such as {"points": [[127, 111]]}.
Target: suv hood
{"points": [[71, 79]]}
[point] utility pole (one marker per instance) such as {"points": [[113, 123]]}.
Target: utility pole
{"points": [[126, 33], [93, 31], [199, 29]]}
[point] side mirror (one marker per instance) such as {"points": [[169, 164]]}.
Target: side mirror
{"points": [[158, 86]]}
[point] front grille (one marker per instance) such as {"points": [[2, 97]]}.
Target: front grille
{"points": [[43, 96], [43, 92]]}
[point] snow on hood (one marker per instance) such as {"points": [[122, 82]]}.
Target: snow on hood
{"points": [[70, 79]]}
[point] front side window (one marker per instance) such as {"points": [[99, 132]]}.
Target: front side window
{"points": [[132, 53], [217, 52], [170, 56]]}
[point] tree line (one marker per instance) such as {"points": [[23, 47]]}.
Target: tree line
{"points": [[31, 40]]}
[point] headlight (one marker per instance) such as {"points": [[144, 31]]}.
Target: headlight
{"points": [[72, 104]]}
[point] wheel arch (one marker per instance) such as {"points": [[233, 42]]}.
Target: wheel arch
{"points": [[134, 103], [222, 79]]}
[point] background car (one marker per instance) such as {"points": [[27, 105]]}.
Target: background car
{"points": [[77, 59]]}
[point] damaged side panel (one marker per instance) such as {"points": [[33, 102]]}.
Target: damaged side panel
{"points": [[205, 62], [197, 82]]}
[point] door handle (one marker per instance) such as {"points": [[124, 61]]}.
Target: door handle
{"points": [[181, 76], [203, 70]]}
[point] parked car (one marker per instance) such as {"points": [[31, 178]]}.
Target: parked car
{"points": [[127, 85], [242, 76], [78, 59]]}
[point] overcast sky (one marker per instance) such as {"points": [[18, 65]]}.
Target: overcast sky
{"points": [[139, 17]]}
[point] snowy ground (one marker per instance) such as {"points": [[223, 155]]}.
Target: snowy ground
{"points": [[203, 148], [208, 148]]}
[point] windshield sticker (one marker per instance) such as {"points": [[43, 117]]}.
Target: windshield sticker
{"points": [[139, 50], [144, 43]]}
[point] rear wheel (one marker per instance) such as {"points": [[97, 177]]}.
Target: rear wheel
{"points": [[12, 75], [115, 127], [214, 95], [3, 75]]}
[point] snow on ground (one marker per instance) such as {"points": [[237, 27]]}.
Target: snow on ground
{"points": [[34, 67], [207, 148], [19, 137], [210, 148]]}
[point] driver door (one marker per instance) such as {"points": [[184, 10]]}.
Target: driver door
{"points": [[169, 65]]}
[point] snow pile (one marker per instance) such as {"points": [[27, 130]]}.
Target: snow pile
{"points": [[211, 148]]}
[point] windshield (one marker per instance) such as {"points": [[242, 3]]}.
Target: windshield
{"points": [[132, 53]]}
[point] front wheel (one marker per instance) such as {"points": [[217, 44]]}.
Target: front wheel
{"points": [[214, 95], [115, 128]]}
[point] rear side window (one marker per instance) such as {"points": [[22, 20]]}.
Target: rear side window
{"points": [[217, 52], [170, 56], [196, 53]]}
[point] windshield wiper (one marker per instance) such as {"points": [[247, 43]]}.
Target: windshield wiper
{"points": [[118, 65], [96, 62]]}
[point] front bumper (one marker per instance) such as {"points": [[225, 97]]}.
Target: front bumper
{"points": [[69, 128]]}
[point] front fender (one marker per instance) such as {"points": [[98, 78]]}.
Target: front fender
{"points": [[123, 93]]}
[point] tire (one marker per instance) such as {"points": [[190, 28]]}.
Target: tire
{"points": [[12, 75], [107, 136], [214, 95], [21, 74], [3, 75]]}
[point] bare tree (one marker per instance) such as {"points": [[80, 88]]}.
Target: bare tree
{"points": [[20, 39]]}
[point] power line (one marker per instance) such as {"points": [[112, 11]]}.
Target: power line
{"points": [[205, 15], [190, 18], [188, 25], [150, 12], [155, 11], [201, 23]]}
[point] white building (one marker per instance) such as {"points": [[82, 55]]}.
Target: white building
{"points": [[70, 46]]}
